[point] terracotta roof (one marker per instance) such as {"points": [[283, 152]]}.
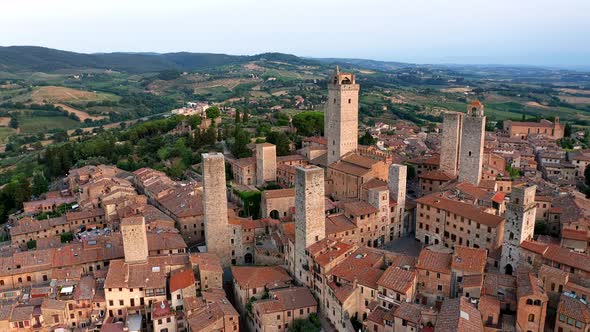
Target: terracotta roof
{"points": [[374, 183], [434, 261], [206, 261], [474, 280], [338, 223], [258, 276], [489, 304], [161, 309], [363, 265], [534, 246], [342, 292], [437, 175], [568, 257], [326, 250], [359, 208], [469, 260], [286, 299], [396, 279], [279, 193], [573, 308], [528, 284], [462, 209], [574, 234], [408, 311], [458, 315], [181, 279]]}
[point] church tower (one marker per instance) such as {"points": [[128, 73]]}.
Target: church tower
{"points": [[472, 142], [519, 226], [341, 115], [310, 219]]}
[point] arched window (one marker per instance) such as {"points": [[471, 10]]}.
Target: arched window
{"points": [[537, 302], [529, 302], [531, 317]]}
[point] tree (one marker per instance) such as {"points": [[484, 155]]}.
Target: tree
{"points": [[587, 175], [210, 136], [40, 183], [309, 123], [245, 117], [280, 139], [567, 131], [13, 122], [367, 139], [237, 118], [212, 112], [239, 147]]}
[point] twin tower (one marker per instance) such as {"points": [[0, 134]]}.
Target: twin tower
{"points": [[462, 144]]}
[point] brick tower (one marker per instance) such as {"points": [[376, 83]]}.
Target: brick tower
{"points": [[217, 228], [519, 226], [397, 191], [341, 115], [451, 142], [135, 244], [266, 163], [310, 220], [472, 142]]}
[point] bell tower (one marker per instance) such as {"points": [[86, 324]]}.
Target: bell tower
{"points": [[341, 115]]}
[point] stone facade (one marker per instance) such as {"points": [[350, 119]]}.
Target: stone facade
{"points": [[310, 222], [519, 225], [266, 163], [135, 242], [451, 143], [341, 115], [472, 142], [397, 190], [217, 230]]}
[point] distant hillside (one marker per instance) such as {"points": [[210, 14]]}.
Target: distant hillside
{"points": [[33, 59], [367, 64]]}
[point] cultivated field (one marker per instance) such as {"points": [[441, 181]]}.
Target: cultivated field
{"points": [[56, 94], [42, 124], [80, 114]]}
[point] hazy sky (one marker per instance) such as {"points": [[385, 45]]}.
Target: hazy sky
{"points": [[538, 32]]}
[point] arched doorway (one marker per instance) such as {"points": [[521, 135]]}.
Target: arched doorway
{"points": [[508, 269], [248, 259], [275, 214]]}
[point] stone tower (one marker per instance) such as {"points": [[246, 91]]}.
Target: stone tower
{"points": [[310, 219], [217, 228], [519, 226], [135, 244], [341, 115], [397, 190], [472, 142], [379, 198], [266, 163], [451, 142]]}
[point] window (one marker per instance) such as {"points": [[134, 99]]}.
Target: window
{"points": [[439, 287], [531, 317]]}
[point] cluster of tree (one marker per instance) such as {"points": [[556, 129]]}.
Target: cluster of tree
{"points": [[367, 139], [309, 123]]}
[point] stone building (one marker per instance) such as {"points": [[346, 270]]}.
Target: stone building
{"points": [[532, 302], [472, 142], [217, 229], [310, 222], [544, 127], [284, 306], [519, 225], [135, 243], [348, 175], [451, 143], [277, 204], [266, 163], [341, 115], [397, 191]]}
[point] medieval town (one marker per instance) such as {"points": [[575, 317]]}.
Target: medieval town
{"points": [[421, 231]]}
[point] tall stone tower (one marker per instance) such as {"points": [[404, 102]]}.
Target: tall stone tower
{"points": [[135, 244], [217, 228], [266, 163], [451, 142], [397, 190], [341, 115], [310, 220], [472, 142], [379, 198], [519, 226]]}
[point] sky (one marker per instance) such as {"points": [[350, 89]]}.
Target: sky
{"points": [[533, 32]]}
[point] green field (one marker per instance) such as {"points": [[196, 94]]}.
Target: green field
{"points": [[42, 124], [4, 133]]}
